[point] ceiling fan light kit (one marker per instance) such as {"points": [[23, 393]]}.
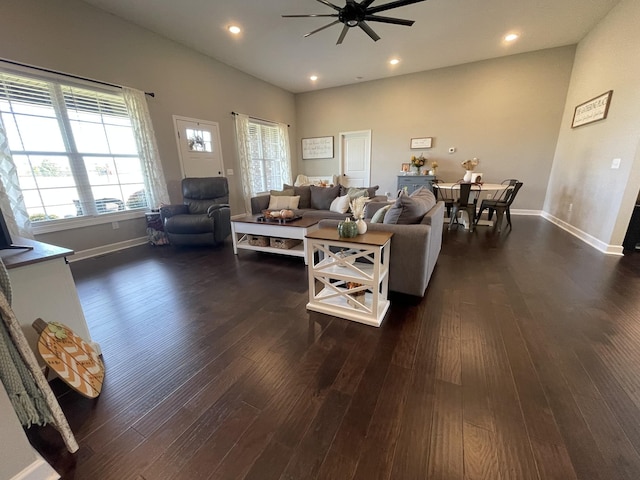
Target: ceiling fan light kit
{"points": [[355, 14]]}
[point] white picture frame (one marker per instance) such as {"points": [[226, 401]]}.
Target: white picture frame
{"points": [[421, 143], [314, 148]]}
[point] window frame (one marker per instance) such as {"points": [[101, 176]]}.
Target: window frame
{"points": [[92, 217], [260, 124]]}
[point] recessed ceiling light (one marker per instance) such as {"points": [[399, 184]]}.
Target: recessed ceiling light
{"points": [[511, 37], [313, 78], [394, 61], [234, 29]]}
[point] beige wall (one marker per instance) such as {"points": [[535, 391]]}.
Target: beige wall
{"points": [[73, 37], [505, 111], [607, 59]]}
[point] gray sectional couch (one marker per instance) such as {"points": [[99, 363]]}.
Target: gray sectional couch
{"points": [[414, 248], [415, 245]]}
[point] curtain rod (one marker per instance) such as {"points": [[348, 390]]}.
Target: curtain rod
{"points": [[258, 118], [77, 77]]}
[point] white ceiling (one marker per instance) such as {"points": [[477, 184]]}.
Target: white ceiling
{"points": [[445, 33]]}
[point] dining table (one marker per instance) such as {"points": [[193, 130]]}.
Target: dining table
{"points": [[478, 191]]}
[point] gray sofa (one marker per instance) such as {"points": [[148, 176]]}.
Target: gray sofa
{"points": [[414, 248], [314, 201], [416, 241]]}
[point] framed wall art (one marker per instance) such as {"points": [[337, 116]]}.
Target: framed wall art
{"points": [[592, 110], [317, 148], [423, 142]]}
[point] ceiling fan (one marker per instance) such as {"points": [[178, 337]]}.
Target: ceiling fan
{"points": [[355, 14]]}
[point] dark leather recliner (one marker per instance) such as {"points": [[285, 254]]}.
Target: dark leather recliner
{"points": [[205, 216]]}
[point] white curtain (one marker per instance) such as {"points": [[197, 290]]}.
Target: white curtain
{"points": [[156, 186], [244, 157], [11, 198], [285, 153], [243, 137]]}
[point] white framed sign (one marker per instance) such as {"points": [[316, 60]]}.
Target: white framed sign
{"points": [[317, 147], [423, 142], [592, 110]]}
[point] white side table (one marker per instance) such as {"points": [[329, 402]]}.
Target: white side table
{"points": [[350, 280]]}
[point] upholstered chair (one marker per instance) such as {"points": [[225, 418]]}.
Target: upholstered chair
{"points": [[204, 218]]}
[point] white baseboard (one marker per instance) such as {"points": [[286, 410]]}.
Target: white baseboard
{"points": [[38, 470], [104, 249], [585, 237]]}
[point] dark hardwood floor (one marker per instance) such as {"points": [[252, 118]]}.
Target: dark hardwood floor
{"points": [[521, 362]]}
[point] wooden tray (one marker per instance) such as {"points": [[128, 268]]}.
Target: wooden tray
{"points": [[266, 219]]}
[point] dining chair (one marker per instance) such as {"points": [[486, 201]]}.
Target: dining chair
{"points": [[443, 194], [463, 204], [500, 206]]}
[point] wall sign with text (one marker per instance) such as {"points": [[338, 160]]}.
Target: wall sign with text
{"points": [[317, 147], [592, 110]]}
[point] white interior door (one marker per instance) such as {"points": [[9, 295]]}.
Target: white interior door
{"points": [[198, 147], [355, 158]]}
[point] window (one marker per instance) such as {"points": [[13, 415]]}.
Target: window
{"points": [[73, 147], [266, 157]]}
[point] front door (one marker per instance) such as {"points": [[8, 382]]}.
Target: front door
{"points": [[198, 147], [355, 158]]}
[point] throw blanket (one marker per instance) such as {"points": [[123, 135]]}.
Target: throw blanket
{"points": [[27, 399]]}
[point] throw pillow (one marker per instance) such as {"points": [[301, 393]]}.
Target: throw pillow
{"points": [[409, 209], [372, 190], [304, 192], [340, 204], [357, 192], [285, 192], [279, 202], [378, 217], [321, 197]]}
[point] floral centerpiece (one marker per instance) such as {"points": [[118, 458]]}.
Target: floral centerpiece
{"points": [[434, 166], [418, 162], [469, 165], [357, 206]]}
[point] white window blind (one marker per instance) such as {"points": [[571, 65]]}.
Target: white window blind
{"points": [[73, 147], [268, 159]]}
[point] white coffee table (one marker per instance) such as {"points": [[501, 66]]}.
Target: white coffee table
{"points": [[241, 228]]}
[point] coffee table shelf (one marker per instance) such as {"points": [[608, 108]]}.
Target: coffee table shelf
{"points": [[349, 277], [242, 227]]}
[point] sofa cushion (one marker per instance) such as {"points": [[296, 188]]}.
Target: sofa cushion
{"points": [[304, 192], [285, 192], [378, 217], [409, 209], [279, 202], [340, 204], [321, 197], [371, 191]]}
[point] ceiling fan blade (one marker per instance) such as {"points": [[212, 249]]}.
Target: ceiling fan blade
{"points": [[366, 3], [321, 28], [374, 36], [312, 15], [395, 21], [329, 4], [342, 35], [389, 6]]}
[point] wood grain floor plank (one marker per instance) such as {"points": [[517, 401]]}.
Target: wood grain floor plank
{"points": [[519, 363]]}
